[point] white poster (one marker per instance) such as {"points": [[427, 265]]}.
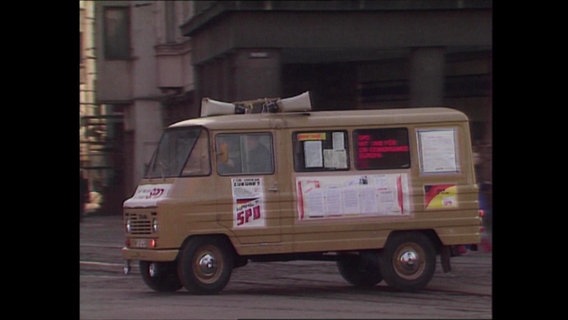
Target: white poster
{"points": [[248, 202], [313, 154], [438, 152], [338, 141], [336, 159], [355, 195]]}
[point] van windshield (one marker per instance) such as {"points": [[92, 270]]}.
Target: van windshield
{"points": [[181, 152]]}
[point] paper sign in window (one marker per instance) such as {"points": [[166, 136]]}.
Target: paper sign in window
{"points": [[313, 154], [336, 159], [438, 150], [338, 141]]}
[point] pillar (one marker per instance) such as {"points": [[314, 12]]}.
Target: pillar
{"points": [[427, 76]]}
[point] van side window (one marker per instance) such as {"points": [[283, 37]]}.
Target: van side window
{"points": [[244, 153], [381, 148], [321, 150]]}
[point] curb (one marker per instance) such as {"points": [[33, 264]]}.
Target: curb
{"points": [[108, 267]]}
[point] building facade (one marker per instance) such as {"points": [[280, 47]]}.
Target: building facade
{"points": [[157, 59], [140, 79]]}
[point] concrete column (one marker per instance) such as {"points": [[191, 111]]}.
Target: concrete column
{"points": [[147, 118], [427, 76], [257, 73]]}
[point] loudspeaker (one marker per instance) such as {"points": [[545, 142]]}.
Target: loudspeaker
{"points": [[210, 107], [297, 103]]}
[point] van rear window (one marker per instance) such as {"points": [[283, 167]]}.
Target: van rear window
{"points": [[381, 148]]}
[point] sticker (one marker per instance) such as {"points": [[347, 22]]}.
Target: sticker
{"points": [[311, 136], [440, 196], [147, 195]]}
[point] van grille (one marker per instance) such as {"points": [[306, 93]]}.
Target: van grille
{"points": [[140, 223]]}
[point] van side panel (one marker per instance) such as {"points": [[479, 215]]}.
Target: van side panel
{"points": [[443, 202]]}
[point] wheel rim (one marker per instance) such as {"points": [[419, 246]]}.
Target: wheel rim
{"points": [[153, 270], [409, 261], [207, 265]]}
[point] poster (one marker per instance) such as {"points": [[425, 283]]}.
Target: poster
{"points": [[248, 202], [353, 195], [438, 152], [313, 154]]}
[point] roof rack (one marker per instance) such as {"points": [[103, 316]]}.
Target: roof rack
{"points": [[299, 103]]}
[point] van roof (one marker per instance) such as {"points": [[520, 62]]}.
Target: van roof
{"points": [[340, 118]]}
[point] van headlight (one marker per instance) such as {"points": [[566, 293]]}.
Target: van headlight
{"points": [[155, 225], [128, 225]]}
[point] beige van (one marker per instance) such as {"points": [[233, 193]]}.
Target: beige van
{"points": [[381, 192]]}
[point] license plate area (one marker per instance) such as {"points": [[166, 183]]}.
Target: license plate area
{"points": [[139, 243]]}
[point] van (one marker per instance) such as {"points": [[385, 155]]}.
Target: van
{"points": [[383, 193]]}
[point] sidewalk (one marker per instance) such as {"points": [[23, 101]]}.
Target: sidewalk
{"points": [[101, 239]]}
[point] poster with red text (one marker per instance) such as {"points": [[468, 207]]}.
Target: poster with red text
{"points": [[248, 202]]}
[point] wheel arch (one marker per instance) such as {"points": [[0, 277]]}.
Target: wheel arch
{"points": [[430, 233], [239, 260], [223, 237]]}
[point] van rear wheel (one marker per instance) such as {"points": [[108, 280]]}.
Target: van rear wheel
{"points": [[408, 261], [160, 276], [360, 270], [205, 265]]}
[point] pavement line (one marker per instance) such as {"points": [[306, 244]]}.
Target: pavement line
{"points": [[101, 245], [94, 263]]}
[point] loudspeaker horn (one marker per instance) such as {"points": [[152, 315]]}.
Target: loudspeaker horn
{"points": [[299, 103], [210, 107]]}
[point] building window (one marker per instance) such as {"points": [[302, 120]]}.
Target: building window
{"points": [[116, 33], [171, 23], [321, 150], [381, 148]]}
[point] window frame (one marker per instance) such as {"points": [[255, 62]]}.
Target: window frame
{"points": [[241, 161]]}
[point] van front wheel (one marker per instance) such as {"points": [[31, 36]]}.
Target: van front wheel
{"points": [[205, 265], [160, 276], [360, 270], [408, 261]]}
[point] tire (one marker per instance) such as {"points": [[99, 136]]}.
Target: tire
{"points": [[408, 261], [360, 270], [205, 265], [160, 276]]}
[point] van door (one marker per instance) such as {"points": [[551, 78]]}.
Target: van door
{"points": [[248, 186]]}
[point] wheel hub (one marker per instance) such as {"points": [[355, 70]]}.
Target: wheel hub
{"points": [[408, 263], [408, 258], [207, 264], [153, 270]]}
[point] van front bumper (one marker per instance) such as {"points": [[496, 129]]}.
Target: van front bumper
{"points": [[149, 255]]}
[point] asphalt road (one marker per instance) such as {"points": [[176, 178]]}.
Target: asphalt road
{"points": [[275, 290]]}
